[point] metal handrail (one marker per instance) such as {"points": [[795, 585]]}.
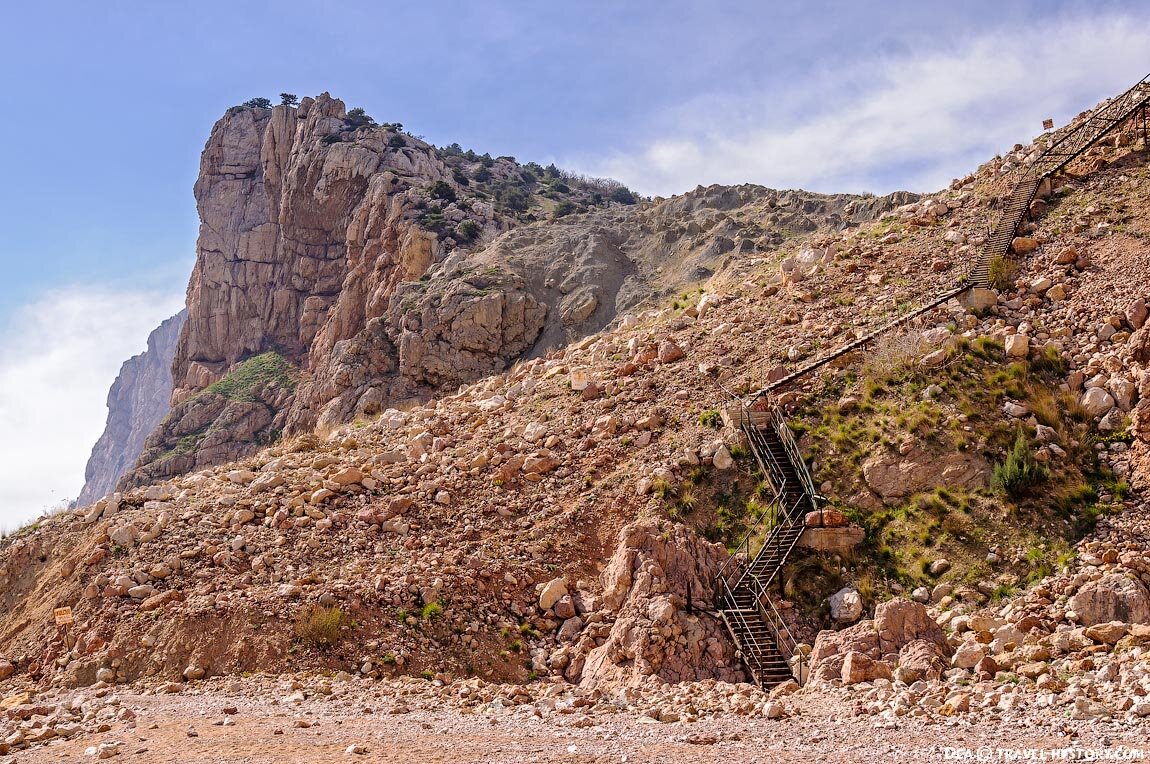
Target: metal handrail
{"points": [[790, 522], [798, 464], [1119, 103], [1073, 141], [784, 640], [749, 656], [767, 461], [744, 546]]}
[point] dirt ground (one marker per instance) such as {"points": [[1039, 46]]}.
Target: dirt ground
{"points": [[219, 728]]}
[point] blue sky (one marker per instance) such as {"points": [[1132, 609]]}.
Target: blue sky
{"points": [[109, 104]]}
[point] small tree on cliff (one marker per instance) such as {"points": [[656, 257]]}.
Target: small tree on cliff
{"points": [[258, 103], [357, 117], [289, 99]]}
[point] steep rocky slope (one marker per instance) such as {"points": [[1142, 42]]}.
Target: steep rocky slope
{"points": [[137, 403], [377, 268], [563, 518]]}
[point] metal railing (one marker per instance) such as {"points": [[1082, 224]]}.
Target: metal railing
{"points": [[1078, 137], [784, 642], [792, 519], [776, 527], [863, 341], [791, 446], [1069, 143], [764, 528]]}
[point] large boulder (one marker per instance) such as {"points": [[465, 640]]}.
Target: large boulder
{"points": [[846, 605], [831, 648], [968, 655], [1114, 597], [1097, 401], [1138, 345], [900, 622], [552, 592], [831, 540], [859, 667], [1017, 346], [922, 659], [1023, 245], [896, 624], [826, 518]]}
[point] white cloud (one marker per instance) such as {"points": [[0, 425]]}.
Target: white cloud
{"points": [[913, 120], [59, 354]]}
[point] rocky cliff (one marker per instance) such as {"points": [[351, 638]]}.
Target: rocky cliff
{"points": [[380, 269], [137, 403]]}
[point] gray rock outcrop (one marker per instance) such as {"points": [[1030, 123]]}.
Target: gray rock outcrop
{"points": [[137, 403]]}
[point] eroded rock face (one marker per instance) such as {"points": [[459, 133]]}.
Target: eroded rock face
{"points": [[307, 225], [137, 403], [645, 586], [378, 266]]}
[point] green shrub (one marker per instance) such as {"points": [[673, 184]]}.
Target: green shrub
{"points": [[433, 221], [513, 198], [396, 142], [442, 190], [711, 418], [258, 103], [623, 195], [358, 118], [467, 230], [432, 610], [1002, 272], [319, 626], [1020, 472], [563, 209]]}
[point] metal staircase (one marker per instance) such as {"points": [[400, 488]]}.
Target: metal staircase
{"points": [[765, 643], [1066, 145]]}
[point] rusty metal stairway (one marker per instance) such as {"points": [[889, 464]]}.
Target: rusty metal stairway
{"points": [[1066, 145], [765, 644]]}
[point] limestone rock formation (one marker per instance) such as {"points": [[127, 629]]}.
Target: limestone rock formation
{"points": [[645, 586], [385, 269], [137, 402]]}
